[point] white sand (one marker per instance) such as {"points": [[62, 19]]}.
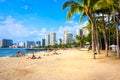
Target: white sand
{"points": [[71, 64]]}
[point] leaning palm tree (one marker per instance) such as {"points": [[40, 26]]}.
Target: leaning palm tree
{"points": [[86, 7]]}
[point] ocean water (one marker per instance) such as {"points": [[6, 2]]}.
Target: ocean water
{"points": [[12, 51]]}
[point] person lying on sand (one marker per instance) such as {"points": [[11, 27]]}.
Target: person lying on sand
{"points": [[55, 52], [19, 54], [34, 57]]}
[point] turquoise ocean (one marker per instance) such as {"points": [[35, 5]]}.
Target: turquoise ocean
{"points": [[12, 51]]}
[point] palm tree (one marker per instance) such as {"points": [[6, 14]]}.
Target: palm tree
{"points": [[81, 40], [117, 35], [112, 6], [86, 7], [78, 38], [117, 7], [97, 38], [106, 7]]}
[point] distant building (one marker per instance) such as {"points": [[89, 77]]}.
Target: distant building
{"points": [[68, 37], [4, 43], [21, 44], [65, 31], [30, 44], [47, 40], [60, 41], [52, 38], [85, 32], [38, 43], [79, 32], [0, 43], [43, 42]]}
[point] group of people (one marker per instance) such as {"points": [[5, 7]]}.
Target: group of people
{"points": [[34, 57], [54, 52], [19, 54]]}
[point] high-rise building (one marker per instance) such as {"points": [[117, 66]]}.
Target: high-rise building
{"points": [[43, 42], [52, 38], [68, 37], [22, 44], [38, 43], [4, 43], [0, 43], [79, 32], [47, 40], [85, 32], [65, 31], [60, 41], [30, 44]]}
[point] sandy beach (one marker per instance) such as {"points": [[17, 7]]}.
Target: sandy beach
{"points": [[71, 64]]}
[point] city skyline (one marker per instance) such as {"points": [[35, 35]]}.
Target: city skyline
{"points": [[50, 40], [23, 20]]}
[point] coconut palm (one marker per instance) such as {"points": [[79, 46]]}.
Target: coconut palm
{"points": [[110, 6], [81, 40], [102, 19], [85, 7]]}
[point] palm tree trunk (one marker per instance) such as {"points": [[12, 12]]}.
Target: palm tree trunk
{"points": [[109, 30], [80, 44], [104, 34], [93, 34], [117, 40], [97, 42], [97, 39], [117, 36]]}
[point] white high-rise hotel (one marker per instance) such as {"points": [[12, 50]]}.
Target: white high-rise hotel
{"points": [[47, 40], [68, 37], [52, 38], [79, 32]]}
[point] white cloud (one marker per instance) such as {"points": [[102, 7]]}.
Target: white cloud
{"points": [[26, 7], [71, 22], [43, 32], [11, 28], [1, 17], [33, 32]]}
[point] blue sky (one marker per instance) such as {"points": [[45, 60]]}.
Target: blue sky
{"points": [[23, 20]]}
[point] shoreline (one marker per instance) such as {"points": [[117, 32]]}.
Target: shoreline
{"points": [[25, 54], [14, 51]]}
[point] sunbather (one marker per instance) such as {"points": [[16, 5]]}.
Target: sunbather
{"points": [[34, 57], [19, 54]]}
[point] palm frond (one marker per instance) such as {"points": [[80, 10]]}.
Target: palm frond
{"points": [[105, 11], [74, 8], [67, 4], [69, 15], [81, 16]]}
